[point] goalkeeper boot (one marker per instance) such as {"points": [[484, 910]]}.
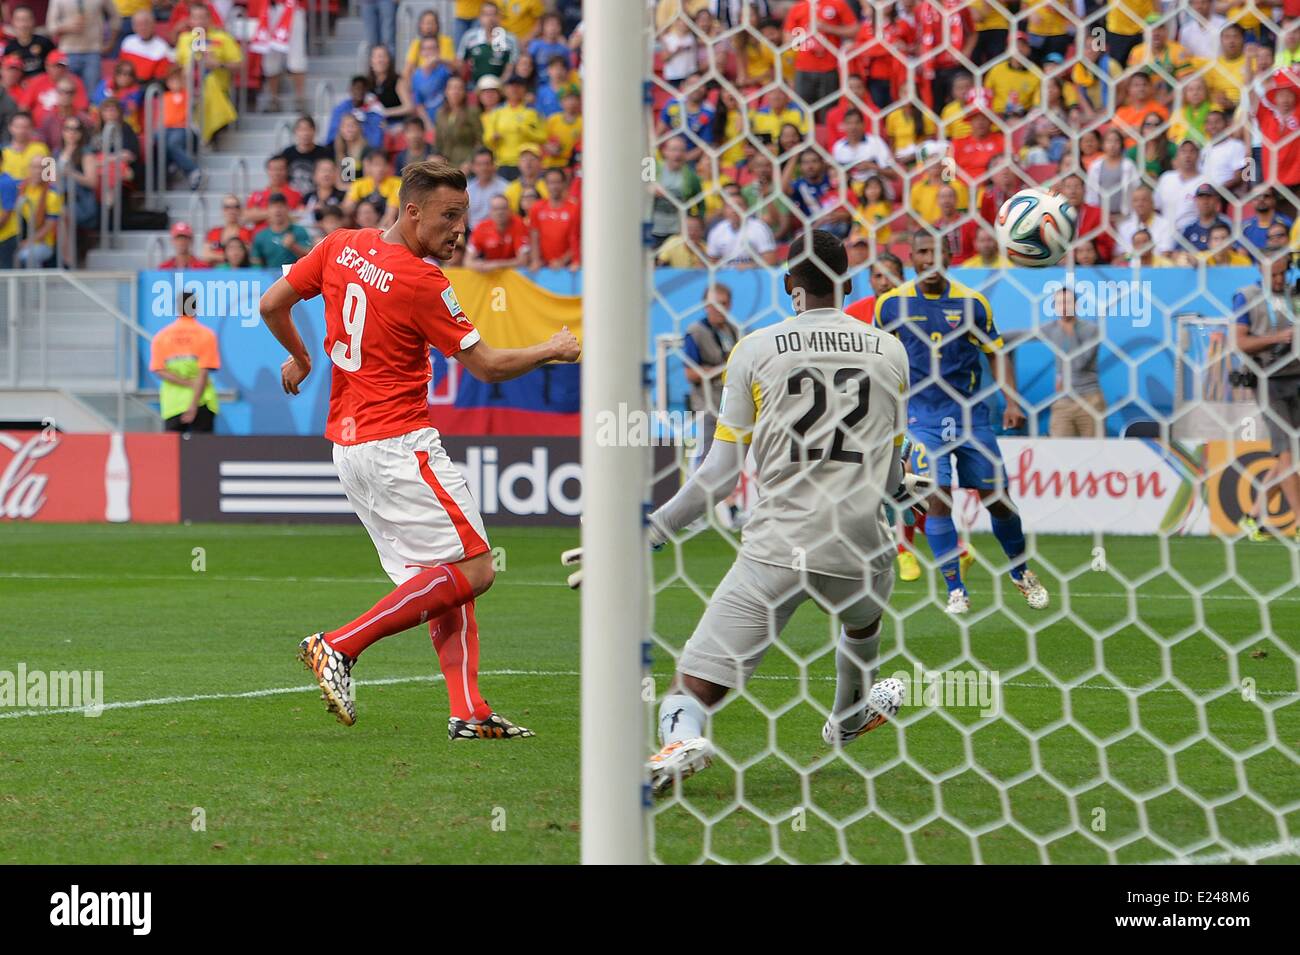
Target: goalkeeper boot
{"points": [[883, 703], [909, 568], [958, 602], [333, 671], [495, 726], [1250, 527], [679, 760], [1033, 589]]}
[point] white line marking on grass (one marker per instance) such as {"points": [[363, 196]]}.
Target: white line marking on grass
{"points": [[273, 691], [1267, 850], [378, 581], [438, 678]]}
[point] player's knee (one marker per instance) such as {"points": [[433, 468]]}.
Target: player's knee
{"points": [[707, 693], [939, 506], [479, 573], [999, 508]]}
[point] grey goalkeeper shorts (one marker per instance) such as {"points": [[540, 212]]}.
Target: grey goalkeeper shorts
{"points": [[755, 601]]}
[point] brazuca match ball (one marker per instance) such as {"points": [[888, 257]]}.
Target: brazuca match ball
{"points": [[1035, 227]]}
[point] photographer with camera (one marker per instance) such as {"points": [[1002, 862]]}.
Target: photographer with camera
{"points": [[1265, 337]]}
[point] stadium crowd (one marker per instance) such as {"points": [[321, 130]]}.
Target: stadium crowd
{"points": [[1171, 129], [496, 92]]}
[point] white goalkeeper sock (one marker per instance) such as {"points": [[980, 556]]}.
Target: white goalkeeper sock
{"points": [[681, 716], [854, 673]]}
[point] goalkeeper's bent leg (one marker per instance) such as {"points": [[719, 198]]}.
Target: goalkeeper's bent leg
{"points": [[855, 671]]}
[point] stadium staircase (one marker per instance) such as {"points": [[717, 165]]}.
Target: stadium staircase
{"points": [[235, 161]]}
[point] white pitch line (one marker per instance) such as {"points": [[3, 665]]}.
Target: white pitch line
{"points": [[1267, 850], [437, 678], [254, 694], [377, 581]]}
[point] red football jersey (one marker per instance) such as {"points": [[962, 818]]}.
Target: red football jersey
{"points": [[494, 245], [864, 309], [557, 229], [384, 308], [815, 50]]}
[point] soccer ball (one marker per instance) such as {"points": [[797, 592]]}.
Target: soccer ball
{"points": [[1035, 227]]}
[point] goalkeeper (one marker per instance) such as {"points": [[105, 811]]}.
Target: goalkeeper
{"points": [[820, 399]]}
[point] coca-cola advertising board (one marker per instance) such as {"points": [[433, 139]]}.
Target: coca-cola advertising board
{"points": [[50, 476]]}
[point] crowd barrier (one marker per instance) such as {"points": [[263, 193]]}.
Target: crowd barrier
{"points": [[1112, 486], [1139, 312]]}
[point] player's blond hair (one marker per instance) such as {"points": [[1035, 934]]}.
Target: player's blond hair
{"points": [[423, 177]]}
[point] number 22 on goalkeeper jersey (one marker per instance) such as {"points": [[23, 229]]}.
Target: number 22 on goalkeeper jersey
{"points": [[384, 307], [821, 400]]}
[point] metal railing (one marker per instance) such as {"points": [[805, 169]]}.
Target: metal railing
{"points": [[155, 150], [111, 173], [27, 298]]}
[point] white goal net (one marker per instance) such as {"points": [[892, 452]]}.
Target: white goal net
{"points": [[1150, 712]]}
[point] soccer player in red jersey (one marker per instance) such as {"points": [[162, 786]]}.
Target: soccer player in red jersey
{"points": [[386, 303], [886, 273]]}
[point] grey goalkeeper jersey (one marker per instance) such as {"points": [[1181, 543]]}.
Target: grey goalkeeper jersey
{"points": [[821, 398]]}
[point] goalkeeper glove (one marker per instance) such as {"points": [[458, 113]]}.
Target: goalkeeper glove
{"points": [[912, 496], [573, 558]]}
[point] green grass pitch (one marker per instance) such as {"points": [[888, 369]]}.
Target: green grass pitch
{"points": [[274, 779]]}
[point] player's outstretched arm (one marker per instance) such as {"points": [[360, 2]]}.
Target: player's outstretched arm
{"points": [[277, 311], [502, 364], [712, 481], [1004, 371]]}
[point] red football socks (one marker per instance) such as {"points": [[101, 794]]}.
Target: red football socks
{"points": [[455, 637], [427, 596]]}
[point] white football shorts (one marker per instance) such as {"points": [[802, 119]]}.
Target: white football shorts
{"points": [[754, 602], [412, 500]]}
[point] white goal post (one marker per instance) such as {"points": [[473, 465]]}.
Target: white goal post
{"points": [[615, 593]]}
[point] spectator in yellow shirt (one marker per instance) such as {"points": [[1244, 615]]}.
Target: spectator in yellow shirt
{"points": [[757, 58], [465, 17], [991, 29], [1014, 82], [428, 27], [1049, 30], [520, 17], [1124, 20], [682, 251], [217, 51], [563, 130], [987, 253], [925, 193], [530, 177], [906, 128], [953, 115], [1222, 251], [778, 111], [510, 127], [1231, 73], [377, 184], [1163, 56], [38, 211], [24, 148]]}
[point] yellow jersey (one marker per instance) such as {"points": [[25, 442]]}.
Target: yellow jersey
{"points": [[1126, 17]]}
